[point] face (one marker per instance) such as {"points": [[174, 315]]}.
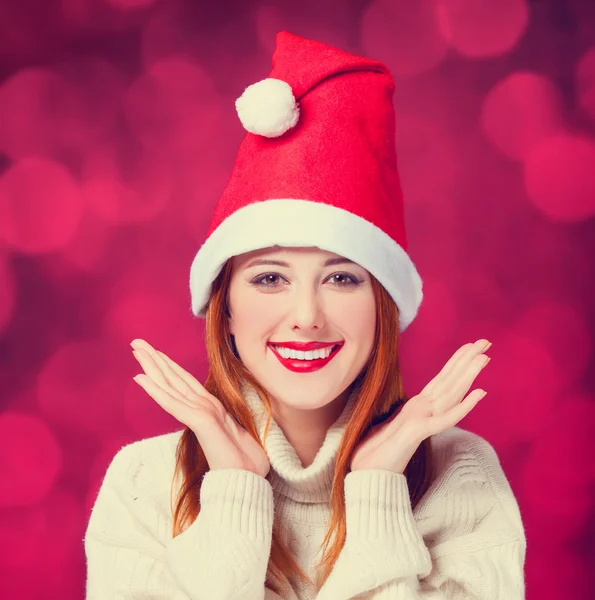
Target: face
{"points": [[305, 299]]}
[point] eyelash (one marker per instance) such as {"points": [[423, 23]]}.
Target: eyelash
{"points": [[257, 281]]}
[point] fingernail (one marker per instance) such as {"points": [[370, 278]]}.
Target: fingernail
{"points": [[488, 346], [482, 395]]}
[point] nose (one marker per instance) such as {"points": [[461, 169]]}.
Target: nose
{"points": [[306, 310]]}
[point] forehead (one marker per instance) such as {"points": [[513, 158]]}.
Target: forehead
{"points": [[285, 252]]}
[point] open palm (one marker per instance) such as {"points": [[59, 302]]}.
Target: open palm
{"points": [[225, 443], [439, 406]]}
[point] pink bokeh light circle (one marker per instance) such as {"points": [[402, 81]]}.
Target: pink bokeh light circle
{"points": [[173, 108], [41, 105], [403, 34], [519, 112], [123, 190], [558, 474], [7, 291], [80, 386], [480, 28], [40, 206], [131, 4], [164, 320], [45, 542], [559, 177], [53, 112], [31, 459], [522, 384], [424, 147], [585, 83], [564, 332]]}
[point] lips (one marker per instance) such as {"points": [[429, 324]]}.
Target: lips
{"points": [[305, 346], [306, 366]]}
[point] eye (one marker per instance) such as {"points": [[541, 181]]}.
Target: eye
{"points": [[270, 280], [348, 280], [265, 280]]}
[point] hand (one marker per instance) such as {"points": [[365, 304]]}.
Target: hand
{"points": [[226, 444], [440, 406]]}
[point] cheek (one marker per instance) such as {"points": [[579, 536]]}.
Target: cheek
{"points": [[252, 313], [356, 317]]}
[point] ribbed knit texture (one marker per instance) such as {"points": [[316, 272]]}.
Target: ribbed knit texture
{"points": [[464, 540]]}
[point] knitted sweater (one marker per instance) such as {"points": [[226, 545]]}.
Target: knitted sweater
{"points": [[464, 540]]}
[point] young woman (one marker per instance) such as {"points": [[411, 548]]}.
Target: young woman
{"points": [[303, 470]]}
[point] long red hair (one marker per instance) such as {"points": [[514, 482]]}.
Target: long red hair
{"points": [[379, 390]]}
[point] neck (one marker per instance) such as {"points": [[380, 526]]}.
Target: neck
{"points": [[306, 430], [307, 478]]}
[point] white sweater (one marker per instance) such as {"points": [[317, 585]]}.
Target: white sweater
{"points": [[464, 540]]}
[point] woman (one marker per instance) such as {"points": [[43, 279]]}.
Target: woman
{"points": [[304, 471]]}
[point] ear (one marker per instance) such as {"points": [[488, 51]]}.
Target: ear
{"points": [[230, 325]]}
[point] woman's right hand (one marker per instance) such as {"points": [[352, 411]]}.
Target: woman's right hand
{"points": [[226, 444]]}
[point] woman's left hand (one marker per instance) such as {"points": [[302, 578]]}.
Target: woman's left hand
{"points": [[440, 406]]}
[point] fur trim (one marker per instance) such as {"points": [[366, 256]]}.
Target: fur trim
{"points": [[294, 223]]}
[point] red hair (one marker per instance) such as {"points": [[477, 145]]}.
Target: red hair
{"points": [[379, 390]]}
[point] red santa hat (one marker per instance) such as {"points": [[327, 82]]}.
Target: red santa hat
{"points": [[318, 167]]}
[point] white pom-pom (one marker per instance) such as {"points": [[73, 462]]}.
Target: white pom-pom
{"points": [[268, 108]]}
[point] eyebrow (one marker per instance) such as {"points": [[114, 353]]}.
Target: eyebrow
{"points": [[280, 263]]}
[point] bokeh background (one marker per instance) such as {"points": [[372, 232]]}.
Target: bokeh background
{"points": [[117, 134]]}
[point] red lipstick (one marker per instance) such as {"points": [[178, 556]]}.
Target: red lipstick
{"points": [[306, 366], [305, 346]]}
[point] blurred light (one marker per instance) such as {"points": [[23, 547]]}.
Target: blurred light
{"points": [[40, 206], [30, 456], [424, 148], [126, 189], [585, 83], [42, 109], [560, 177], [519, 112], [80, 386], [558, 473], [565, 333], [130, 4], [174, 108], [7, 291], [522, 381], [478, 28], [402, 34]]}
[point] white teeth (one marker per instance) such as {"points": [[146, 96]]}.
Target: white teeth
{"points": [[297, 354]]}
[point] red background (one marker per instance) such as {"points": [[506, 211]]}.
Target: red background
{"points": [[117, 134]]}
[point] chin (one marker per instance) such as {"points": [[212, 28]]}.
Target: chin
{"points": [[307, 398]]}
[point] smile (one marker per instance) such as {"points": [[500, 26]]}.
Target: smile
{"points": [[305, 362]]}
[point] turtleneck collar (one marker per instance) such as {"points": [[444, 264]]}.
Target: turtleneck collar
{"points": [[289, 478]]}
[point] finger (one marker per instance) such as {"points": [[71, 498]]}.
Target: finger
{"points": [[189, 380], [177, 377], [460, 387], [155, 373], [178, 409], [457, 413], [454, 367]]}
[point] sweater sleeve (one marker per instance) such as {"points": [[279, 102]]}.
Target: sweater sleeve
{"points": [[222, 555], [476, 543]]}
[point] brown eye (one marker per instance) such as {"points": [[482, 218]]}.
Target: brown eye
{"points": [[345, 280], [266, 280]]}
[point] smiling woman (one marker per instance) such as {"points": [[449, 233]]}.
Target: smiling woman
{"points": [[304, 470]]}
